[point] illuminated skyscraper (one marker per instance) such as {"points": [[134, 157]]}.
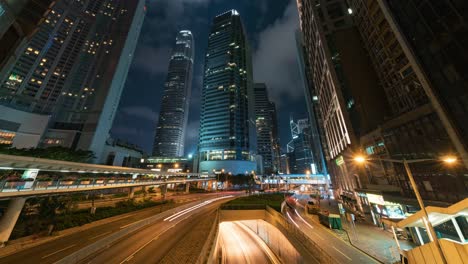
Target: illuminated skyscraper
{"points": [[74, 69], [227, 128], [172, 124], [265, 119]]}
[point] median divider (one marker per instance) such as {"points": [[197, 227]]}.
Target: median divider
{"points": [[208, 252]]}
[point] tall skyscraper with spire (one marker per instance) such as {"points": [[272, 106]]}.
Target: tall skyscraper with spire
{"points": [[227, 125], [173, 116]]}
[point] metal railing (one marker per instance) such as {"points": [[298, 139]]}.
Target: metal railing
{"points": [[28, 186]]}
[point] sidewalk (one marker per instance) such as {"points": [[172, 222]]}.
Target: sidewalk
{"points": [[371, 239]]}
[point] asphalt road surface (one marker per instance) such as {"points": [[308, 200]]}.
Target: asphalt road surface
{"points": [[54, 250], [152, 243], [334, 246], [240, 245]]}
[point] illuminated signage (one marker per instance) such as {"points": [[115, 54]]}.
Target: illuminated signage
{"points": [[375, 199], [339, 161]]}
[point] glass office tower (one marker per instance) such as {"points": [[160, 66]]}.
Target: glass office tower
{"points": [[172, 124], [227, 127]]}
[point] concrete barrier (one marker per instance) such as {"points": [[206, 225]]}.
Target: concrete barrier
{"points": [[208, 253]]}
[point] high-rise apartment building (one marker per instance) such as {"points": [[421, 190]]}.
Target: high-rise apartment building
{"points": [[346, 86], [18, 21], [74, 69], [227, 126], [267, 143], [173, 116]]}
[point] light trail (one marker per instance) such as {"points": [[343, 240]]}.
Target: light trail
{"points": [[190, 209], [290, 218]]}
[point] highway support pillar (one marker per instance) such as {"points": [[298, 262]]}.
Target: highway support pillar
{"points": [[8, 221], [131, 193], [187, 187], [163, 191]]}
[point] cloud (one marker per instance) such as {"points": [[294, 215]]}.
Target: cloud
{"points": [[275, 59], [141, 112]]}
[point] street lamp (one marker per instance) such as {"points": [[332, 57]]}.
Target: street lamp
{"points": [[448, 160]]}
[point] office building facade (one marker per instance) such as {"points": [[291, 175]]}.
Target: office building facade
{"points": [[265, 119], [74, 69], [317, 137], [173, 116], [346, 86], [227, 126], [301, 160], [433, 37], [415, 130]]}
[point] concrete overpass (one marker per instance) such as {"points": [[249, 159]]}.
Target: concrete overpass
{"points": [[20, 190], [296, 179]]}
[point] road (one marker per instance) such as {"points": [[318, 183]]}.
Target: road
{"points": [[241, 245], [334, 246], [57, 249], [151, 244]]}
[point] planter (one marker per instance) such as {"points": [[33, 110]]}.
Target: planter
{"points": [[66, 182]]}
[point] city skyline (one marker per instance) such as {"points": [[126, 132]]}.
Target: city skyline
{"points": [[149, 70], [368, 98]]}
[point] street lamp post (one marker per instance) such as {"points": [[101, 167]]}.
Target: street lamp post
{"points": [[425, 218]]}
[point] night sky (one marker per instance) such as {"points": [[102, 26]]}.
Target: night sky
{"points": [[270, 25]]}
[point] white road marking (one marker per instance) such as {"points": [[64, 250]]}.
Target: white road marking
{"points": [[146, 244], [342, 254], [58, 251], [103, 234], [124, 226]]}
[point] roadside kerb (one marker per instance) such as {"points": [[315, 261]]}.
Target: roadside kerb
{"points": [[107, 241]]}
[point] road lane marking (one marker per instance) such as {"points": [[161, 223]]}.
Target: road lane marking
{"points": [[124, 226], [146, 244], [58, 251], [103, 234], [342, 253]]}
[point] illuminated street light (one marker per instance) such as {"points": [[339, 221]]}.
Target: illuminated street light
{"points": [[176, 165], [360, 159], [425, 218], [449, 159], [307, 172]]}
